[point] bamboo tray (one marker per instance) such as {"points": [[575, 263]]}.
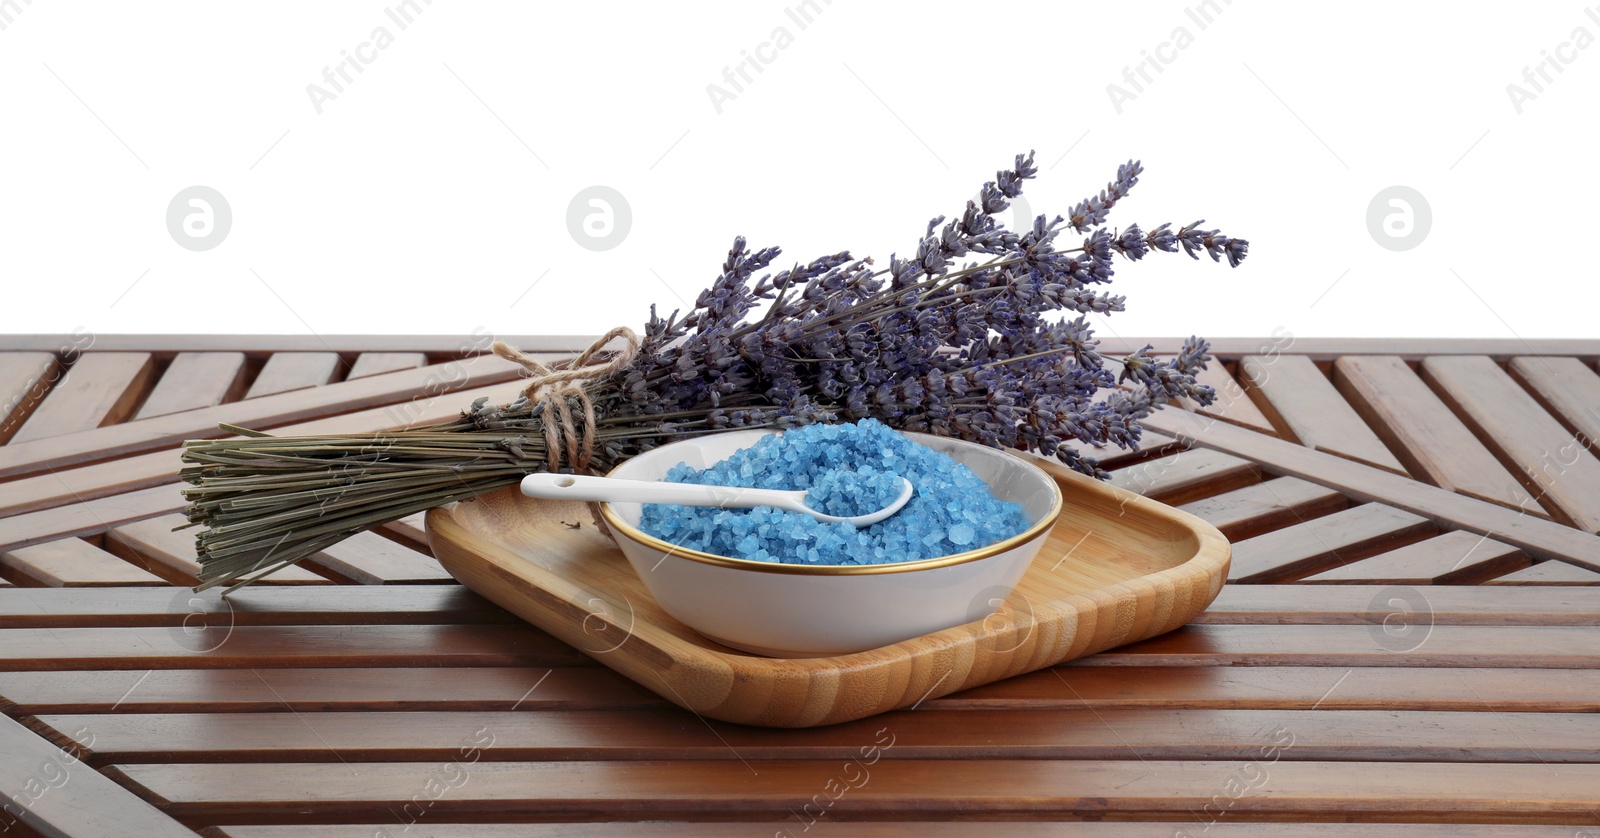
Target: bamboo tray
{"points": [[1118, 568]]}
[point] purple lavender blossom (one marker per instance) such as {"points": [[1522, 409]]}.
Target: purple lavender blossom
{"points": [[977, 351]]}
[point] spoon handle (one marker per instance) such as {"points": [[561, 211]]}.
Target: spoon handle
{"points": [[617, 490]]}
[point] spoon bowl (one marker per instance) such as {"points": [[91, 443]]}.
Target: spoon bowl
{"points": [[582, 487]]}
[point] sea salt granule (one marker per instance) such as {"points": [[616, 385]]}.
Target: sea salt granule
{"points": [[848, 470]]}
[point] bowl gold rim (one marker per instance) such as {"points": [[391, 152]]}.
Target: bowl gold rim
{"points": [[1043, 525]]}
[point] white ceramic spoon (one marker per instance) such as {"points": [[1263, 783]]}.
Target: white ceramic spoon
{"points": [[585, 487]]}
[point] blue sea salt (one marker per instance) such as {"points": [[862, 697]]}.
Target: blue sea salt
{"points": [[846, 470], [848, 492]]}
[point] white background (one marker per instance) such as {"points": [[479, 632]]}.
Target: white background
{"points": [[431, 195]]}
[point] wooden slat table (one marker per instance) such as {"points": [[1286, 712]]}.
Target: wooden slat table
{"points": [[1409, 645]]}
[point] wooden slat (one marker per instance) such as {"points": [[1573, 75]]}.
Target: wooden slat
{"points": [[263, 413], [1046, 827], [1539, 537], [153, 545], [1455, 558], [929, 733], [465, 689], [1370, 645], [1463, 605], [1311, 546], [1266, 506], [56, 488], [376, 363], [24, 379], [1428, 438], [74, 562], [593, 688], [1332, 348], [88, 517], [1567, 388], [1287, 687], [16, 828], [370, 559], [473, 689], [255, 606], [301, 646], [1232, 404], [54, 793], [1551, 572], [87, 482], [935, 789], [455, 605], [101, 388], [411, 531], [288, 371], [1554, 467], [455, 345], [194, 380], [1187, 476], [1110, 456], [407, 645], [1303, 404]]}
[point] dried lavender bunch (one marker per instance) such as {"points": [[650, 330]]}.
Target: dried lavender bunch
{"points": [[983, 351]]}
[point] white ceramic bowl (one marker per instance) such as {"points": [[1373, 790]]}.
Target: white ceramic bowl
{"points": [[786, 610]]}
